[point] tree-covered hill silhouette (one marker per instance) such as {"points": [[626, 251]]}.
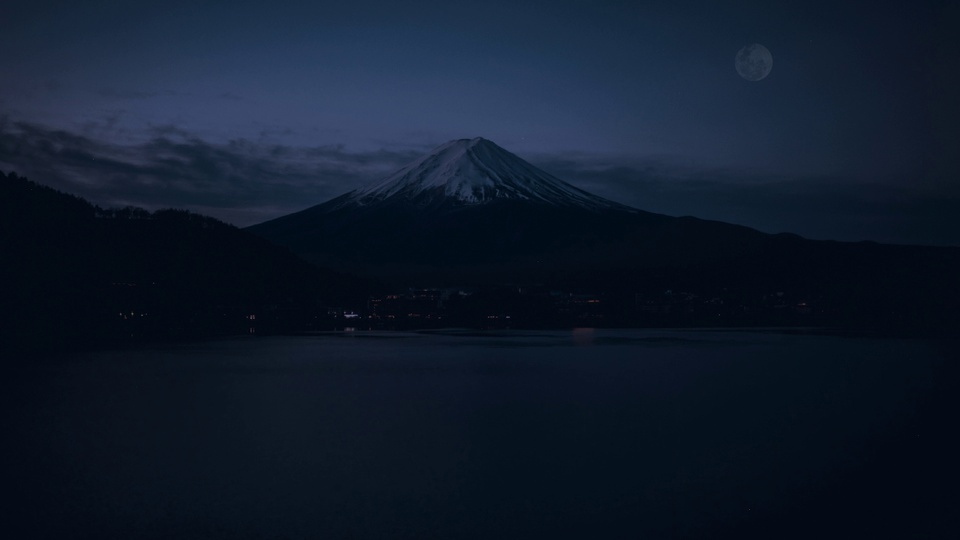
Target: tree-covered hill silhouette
{"points": [[75, 275]]}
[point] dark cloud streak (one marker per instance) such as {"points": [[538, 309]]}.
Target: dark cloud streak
{"points": [[241, 181], [115, 93], [820, 207]]}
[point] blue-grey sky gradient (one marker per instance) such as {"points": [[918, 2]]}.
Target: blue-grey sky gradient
{"points": [[248, 110]]}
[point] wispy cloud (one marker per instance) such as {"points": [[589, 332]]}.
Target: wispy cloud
{"points": [[822, 207], [240, 181], [128, 93]]}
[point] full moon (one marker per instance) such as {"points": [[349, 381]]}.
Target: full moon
{"points": [[754, 62]]}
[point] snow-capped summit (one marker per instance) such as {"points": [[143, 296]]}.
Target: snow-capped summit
{"points": [[475, 171]]}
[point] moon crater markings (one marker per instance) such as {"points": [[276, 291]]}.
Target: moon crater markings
{"points": [[754, 62]]}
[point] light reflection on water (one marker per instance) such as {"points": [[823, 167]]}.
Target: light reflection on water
{"points": [[460, 434]]}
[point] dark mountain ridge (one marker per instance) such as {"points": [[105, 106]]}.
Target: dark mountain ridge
{"points": [[76, 275]]}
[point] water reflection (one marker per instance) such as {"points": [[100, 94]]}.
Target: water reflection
{"points": [[584, 336], [580, 433]]}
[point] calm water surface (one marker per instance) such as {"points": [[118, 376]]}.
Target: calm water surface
{"points": [[589, 433]]}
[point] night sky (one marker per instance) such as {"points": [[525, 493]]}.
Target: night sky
{"points": [[249, 110]]}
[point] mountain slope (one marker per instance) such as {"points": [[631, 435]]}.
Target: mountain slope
{"points": [[470, 204]]}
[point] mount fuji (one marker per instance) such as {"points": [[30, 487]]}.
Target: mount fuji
{"points": [[472, 211]]}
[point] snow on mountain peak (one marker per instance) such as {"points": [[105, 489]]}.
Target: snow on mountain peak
{"points": [[476, 171]]}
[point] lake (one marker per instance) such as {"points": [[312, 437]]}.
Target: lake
{"points": [[457, 434]]}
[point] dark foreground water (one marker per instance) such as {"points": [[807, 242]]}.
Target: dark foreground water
{"points": [[583, 434]]}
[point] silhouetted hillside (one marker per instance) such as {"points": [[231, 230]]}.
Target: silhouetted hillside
{"points": [[75, 275]]}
